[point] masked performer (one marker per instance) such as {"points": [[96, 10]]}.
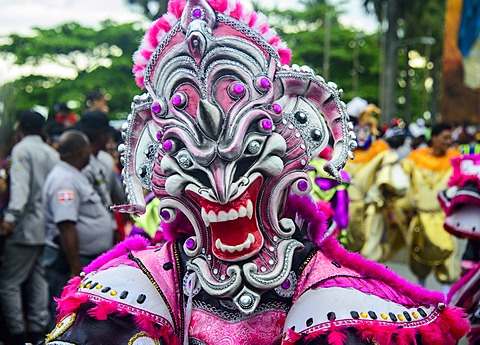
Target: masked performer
{"points": [[431, 247], [331, 195], [375, 188], [223, 136], [461, 203]]}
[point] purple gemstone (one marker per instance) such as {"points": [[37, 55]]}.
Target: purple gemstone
{"points": [[190, 243], [238, 89], [176, 100], [265, 83], [167, 145], [197, 13], [286, 284], [156, 107], [159, 135], [277, 108], [165, 214], [266, 124], [302, 185]]}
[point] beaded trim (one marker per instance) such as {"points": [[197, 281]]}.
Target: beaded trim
{"points": [[235, 316], [62, 326]]}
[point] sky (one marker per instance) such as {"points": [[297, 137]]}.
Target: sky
{"points": [[19, 16]]}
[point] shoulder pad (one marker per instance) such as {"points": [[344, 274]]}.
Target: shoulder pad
{"points": [[316, 308], [132, 290]]}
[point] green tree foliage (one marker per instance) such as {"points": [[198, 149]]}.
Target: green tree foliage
{"points": [[421, 24], [93, 58], [353, 56]]}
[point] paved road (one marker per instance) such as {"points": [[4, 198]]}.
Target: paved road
{"points": [[398, 265]]}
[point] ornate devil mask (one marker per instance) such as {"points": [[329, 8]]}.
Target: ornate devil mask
{"points": [[222, 135]]}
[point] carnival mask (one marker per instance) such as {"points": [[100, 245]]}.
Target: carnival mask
{"points": [[223, 134], [461, 201]]}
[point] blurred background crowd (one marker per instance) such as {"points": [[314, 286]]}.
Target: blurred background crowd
{"points": [[412, 90]]}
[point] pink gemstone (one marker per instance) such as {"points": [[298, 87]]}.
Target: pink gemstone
{"points": [[277, 108], [190, 243], [156, 107], [238, 89], [303, 185], [167, 145], [159, 135], [266, 124], [177, 100], [286, 284], [165, 215], [197, 13], [265, 83]]}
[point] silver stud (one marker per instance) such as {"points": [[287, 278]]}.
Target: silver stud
{"points": [[332, 84], [245, 300], [185, 162], [254, 147]]}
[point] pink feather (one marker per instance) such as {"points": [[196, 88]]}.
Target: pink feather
{"points": [[69, 304], [133, 243], [71, 287], [176, 7], [336, 337], [147, 324], [103, 309], [160, 27]]}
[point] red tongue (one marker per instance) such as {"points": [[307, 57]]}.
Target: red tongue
{"points": [[233, 232]]}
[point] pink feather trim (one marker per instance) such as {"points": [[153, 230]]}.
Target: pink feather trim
{"points": [[159, 29], [333, 250], [336, 337], [155, 330], [71, 287], [69, 304], [176, 7], [446, 329], [102, 309], [461, 180], [306, 207], [133, 243]]}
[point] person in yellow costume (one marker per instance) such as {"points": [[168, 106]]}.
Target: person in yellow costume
{"points": [[377, 184], [430, 246]]}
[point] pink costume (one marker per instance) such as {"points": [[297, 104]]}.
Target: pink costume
{"points": [[223, 136], [461, 202]]}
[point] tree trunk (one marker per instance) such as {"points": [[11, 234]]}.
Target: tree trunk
{"points": [[388, 97]]}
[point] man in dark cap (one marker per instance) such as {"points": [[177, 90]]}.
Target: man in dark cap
{"points": [[24, 228], [100, 172]]}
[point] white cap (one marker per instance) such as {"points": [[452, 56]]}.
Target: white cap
{"points": [[356, 106]]}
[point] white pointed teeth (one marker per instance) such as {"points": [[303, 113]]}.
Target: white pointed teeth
{"points": [[226, 248], [222, 216], [232, 214], [242, 212], [205, 217], [249, 209]]}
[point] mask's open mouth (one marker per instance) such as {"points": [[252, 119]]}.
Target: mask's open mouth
{"points": [[234, 229]]}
